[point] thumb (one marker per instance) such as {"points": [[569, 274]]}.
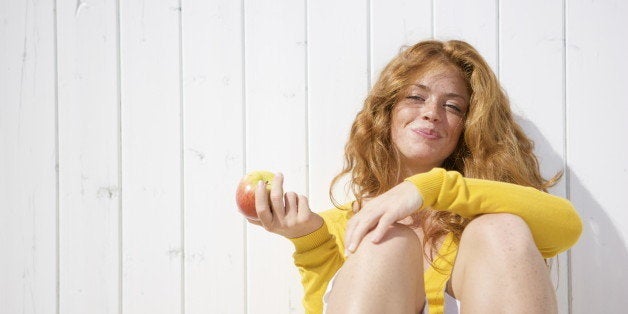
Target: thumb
{"points": [[253, 221]]}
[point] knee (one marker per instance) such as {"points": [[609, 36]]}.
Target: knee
{"points": [[399, 240], [502, 234], [499, 266], [399, 236], [394, 276]]}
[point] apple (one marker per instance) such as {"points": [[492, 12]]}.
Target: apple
{"points": [[245, 194]]}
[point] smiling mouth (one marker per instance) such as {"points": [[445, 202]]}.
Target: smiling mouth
{"points": [[429, 134]]}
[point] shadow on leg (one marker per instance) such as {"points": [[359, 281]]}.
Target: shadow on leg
{"points": [[381, 278]]}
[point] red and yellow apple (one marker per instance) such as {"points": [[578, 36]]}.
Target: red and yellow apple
{"points": [[245, 194]]}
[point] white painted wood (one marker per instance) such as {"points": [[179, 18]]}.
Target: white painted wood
{"points": [[28, 195], [532, 66], [472, 21], [276, 140], [532, 73], [151, 158], [597, 152], [395, 24], [231, 266], [88, 155], [213, 134], [337, 86]]}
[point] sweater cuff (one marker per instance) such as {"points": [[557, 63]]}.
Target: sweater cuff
{"points": [[429, 185], [312, 240]]}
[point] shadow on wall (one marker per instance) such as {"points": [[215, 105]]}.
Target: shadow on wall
{"points": [[600, 258]]}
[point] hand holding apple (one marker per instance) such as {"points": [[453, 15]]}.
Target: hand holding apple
{"points": [[286, 214]]}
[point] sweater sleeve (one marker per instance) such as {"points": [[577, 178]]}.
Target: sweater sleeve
{"points": [[553, 221], [318, 256]]}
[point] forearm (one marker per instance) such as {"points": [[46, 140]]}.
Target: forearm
{"points": [[554, 223]]}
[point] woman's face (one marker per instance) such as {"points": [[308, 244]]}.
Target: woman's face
{"points": [[428, 120]]}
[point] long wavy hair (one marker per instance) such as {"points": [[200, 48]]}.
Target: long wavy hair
{"points": [[492, 145]]}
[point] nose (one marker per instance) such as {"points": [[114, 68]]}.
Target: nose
{"points": [[430, 112]]}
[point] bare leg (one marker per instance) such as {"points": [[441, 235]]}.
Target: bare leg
{"points": [[381, 278], [500, 270]]}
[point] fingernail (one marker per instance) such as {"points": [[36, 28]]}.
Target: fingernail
{"points": [[375, 239], [352, 247]]}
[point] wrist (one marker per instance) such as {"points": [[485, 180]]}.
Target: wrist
{"points": [[311, 240], [308, 227], [415, 199], [428, 185]]}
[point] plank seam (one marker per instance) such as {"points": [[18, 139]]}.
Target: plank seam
{"points": [[368, 45], [57, 168], [565, 150], [182, 156], [244, 143], [120, 191]]}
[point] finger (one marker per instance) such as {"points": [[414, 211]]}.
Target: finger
{"points": [[276, 196], [360, 230], [253, 221], [291, 202], [382, 227], [303, 208], [349, 233], [261, 205]]}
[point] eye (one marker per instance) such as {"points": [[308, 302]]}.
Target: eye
{"points": [[416, 98], [453, 108]]}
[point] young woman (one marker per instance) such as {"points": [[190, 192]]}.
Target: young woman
{"points": [[449, 202]]}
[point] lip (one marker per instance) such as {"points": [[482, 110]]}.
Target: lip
{"points": [[427, 133]]}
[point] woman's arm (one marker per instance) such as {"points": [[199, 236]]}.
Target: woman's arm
{"points": [[554, 222]]}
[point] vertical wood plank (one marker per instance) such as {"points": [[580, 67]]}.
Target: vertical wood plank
{"points": [[275, 140], [213, 129], [475, 22], [151, 157], [337, 86], [597, 152], [395, 24], [531, 64], [532, 73], [88, 154], [28, 180]]}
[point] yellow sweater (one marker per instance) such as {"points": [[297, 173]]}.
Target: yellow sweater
{"points": [[554, 223]]}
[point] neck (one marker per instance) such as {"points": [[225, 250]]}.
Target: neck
{"points": [[408, 170]]}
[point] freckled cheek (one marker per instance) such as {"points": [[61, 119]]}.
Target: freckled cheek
{"points": [[397, 135], [454, 136], [397, 127], [454, 130]]}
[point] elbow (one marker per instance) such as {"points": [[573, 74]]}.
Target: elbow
{"points": [[572, 228], [576, 228], [568, 232]]}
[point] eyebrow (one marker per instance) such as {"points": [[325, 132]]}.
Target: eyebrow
{"points": [[447, 94]]}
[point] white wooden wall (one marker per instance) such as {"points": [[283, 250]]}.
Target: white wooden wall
{"points": [[125, 126]]}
